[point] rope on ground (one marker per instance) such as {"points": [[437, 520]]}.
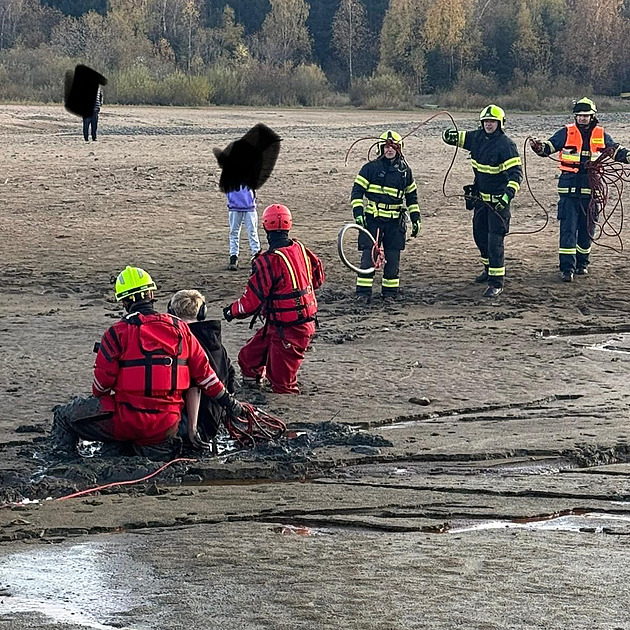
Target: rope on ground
{"points": [[124, 483], [255, 427]]}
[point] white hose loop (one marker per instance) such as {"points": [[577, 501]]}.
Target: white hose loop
{"points": [[342, 255]]}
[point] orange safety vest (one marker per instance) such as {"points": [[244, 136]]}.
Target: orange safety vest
{"points": [[572, 150]]}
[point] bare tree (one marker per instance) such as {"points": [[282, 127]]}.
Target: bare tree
{"points": [[350, 34]]}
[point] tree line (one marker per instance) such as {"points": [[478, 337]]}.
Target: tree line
{"points": [[374, 53]]}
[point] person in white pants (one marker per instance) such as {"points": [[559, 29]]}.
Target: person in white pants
{"points": [[241, 205]]}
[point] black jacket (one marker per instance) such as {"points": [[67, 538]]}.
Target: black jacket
{"points": [[209, 335], [495, 161], [388, 186]]}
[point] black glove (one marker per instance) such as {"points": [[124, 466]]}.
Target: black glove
{"points": [[450, 136], [231, 405], [416, 224], [227, 314], [537, 147], [503, 202]]}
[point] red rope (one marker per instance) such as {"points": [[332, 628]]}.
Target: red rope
{"points": [[256, 426], [124, 483], [605, 175]]}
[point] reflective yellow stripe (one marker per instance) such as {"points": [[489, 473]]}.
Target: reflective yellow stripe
{"points": [[495, 170], [569, 251], [411, 187], [414, 207], [567, 191], [385, 190], [288, 264], [461, 138], [357, 202], [362, 281], [496, 271], [487, 197], [362, 181], [515, 186], [485, 261], [552, 149], [583, 251], [570, 157], [387, 212], [307, 261], [390, 283]]}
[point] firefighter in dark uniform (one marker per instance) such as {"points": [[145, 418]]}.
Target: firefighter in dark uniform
{"points": [[498, 175], [388, 187], [579, 143]]}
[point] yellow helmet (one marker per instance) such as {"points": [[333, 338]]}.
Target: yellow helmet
{"points": [[133, 281], [493, 112], [392, 139], [584, 106]]}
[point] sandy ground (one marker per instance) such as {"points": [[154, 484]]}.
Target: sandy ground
{"points": [[529, 397]]}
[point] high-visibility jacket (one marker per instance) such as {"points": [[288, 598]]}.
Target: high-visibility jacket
{"points": [[144, 364], [388, 186], [495, 162], [282, 286], [571, 153], [577, 150]]}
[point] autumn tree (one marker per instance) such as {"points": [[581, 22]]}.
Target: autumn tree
{"points": [[594, 34], [402, 47], [284, 37], [444, 28], [351, 36]]}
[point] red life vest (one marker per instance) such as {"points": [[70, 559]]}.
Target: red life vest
{"points": [[151, 364], [572, 150], [294, 301]]}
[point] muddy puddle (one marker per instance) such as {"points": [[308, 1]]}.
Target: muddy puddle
{"points": [[83, 585], [588, 522]]}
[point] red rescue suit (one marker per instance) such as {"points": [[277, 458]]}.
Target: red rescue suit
{"points": [[144, 363], [281, 289]]}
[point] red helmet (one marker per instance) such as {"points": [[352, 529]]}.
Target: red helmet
{"points": [[277, 217]]}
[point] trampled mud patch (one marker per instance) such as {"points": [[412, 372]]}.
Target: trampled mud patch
{"points": [[41, 473]]}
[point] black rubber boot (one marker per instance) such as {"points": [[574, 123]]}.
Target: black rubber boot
{"points": [[233, 266], [482, 277]]}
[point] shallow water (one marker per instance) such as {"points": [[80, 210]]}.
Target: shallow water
{"points": [[87, 584]]}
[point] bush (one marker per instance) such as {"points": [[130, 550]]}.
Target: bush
{"points": [[181, 89], [33, 74], [138, 85], [384, 90], [133, 86]]}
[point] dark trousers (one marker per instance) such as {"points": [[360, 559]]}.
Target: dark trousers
{"points": [[83, 418], [576, 232], [90, 122], [489, 229], [391, 234], [277, 353]]}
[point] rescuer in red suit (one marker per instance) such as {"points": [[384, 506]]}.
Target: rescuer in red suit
{"points": [[144, 363], [281, 290]]}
